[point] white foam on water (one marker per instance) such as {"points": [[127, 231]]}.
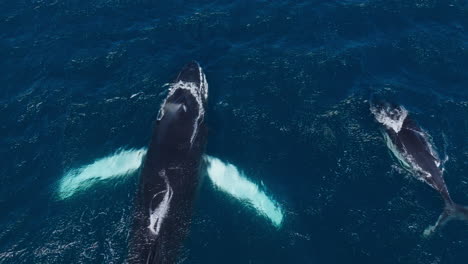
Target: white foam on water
{"points": [[135, 95], [392, 118], [229, 179], [119, 164]]}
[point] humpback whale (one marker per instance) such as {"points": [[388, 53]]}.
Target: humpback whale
{"points": [[411, 146], [171, 171]]}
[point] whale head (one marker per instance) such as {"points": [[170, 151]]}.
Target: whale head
{"points": [[181, 115]]}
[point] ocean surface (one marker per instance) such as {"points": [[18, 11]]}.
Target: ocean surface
{"points": [[290, 84]]}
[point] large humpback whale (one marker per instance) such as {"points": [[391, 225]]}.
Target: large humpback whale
{"points": [[411, 145], [171, 171]]}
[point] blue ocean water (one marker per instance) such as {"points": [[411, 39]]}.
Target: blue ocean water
{"points": [[289, 88]]}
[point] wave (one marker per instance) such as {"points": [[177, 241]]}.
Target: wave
{"points": [[120, 163]]}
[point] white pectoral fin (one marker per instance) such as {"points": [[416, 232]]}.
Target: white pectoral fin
{"points": [[227, 178], [114, 166], [224, 176]]}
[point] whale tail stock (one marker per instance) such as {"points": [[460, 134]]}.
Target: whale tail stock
{"points": [[451, 211]]}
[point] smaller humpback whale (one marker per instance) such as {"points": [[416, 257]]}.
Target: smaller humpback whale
{"points": [[410, 145], [171, 171]]}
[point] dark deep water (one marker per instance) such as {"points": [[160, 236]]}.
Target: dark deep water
{"points": [[289, 84]]}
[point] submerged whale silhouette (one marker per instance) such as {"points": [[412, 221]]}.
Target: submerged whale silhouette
{"points": [[410, 144]]}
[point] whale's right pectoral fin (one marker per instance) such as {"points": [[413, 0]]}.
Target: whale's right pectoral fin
{"points": [[229, 179]]}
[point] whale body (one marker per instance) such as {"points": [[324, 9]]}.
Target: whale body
{"points": [[171, 171], [412, 147]]}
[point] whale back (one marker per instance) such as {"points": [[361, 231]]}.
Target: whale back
{"points": [[170, 174]]}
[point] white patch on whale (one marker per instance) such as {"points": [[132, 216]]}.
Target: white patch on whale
{"points": [[156, 216], [120, 163], [204, 83], [400, 156], [432, 149], [391, 118]]}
